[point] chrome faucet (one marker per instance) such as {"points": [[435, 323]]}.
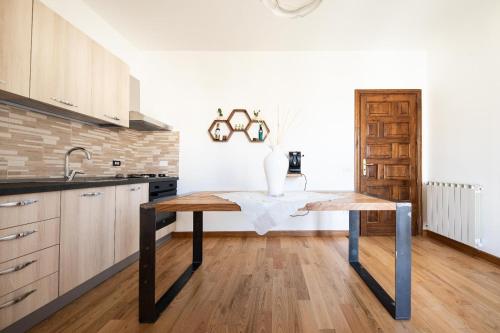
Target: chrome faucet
{"points": [[70, 174]]}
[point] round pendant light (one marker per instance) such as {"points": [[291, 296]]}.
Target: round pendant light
{"points": [[291, 8]]}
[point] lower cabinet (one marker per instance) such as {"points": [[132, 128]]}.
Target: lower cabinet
{"points": [[87, 235], [128, 200], [25, 300]]}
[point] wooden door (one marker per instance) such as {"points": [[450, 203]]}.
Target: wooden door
{"points": [[388, 156], [15, 46], [110, 87], [61, 62], [87, 234], [128, 200]]}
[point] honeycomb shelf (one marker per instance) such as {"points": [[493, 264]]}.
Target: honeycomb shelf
{"points": [[238, 121], [226, 132]]}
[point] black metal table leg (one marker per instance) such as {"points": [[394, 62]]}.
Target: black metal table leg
{"points": [[148, 309], [353, 236], [147, 262], [197, 239], [403, 261], [400, 308]]}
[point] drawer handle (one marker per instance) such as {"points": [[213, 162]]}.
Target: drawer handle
{"points": [[91, 194], [17, 268], [17, 236], [62, 101], [18, 203], [135, 189], [111, 117], [16, 300]]}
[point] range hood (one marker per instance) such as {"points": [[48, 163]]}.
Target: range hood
{"points": [[137, 120]]}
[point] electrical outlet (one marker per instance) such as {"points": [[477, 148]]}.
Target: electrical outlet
{"points": [[117, 163]]}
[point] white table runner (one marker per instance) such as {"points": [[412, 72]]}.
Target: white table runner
{"points": [[266, 212]]}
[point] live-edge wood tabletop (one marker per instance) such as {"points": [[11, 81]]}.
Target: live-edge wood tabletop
{"points": [[208, 202]]}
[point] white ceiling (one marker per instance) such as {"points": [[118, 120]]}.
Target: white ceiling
{"points": [[248, 25]]}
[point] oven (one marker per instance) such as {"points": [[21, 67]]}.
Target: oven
{"points": [[163, 190]]}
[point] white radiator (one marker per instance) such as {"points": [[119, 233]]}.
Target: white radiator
{"points": [[453, 211]]}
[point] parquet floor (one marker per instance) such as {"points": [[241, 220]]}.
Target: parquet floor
{"points": [[295, 284]]}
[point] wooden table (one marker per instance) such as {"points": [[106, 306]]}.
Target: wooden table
{"points": [[149, 309]]}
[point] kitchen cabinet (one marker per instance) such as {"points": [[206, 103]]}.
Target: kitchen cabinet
{"points": [[61, 62], [21, 240], [27, 208], [15, 46], [110, 87], [87, 234], [25, 300], [128, 200]]}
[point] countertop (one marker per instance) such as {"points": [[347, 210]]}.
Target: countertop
{"points": [[36, 185]]}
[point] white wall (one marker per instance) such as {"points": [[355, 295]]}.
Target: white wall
{"points": [[186, 88], [464, 113]]}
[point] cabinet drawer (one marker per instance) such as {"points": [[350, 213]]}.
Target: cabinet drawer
{"points": [[22, 271], [19, 241], [25, 300], [27, 208]]}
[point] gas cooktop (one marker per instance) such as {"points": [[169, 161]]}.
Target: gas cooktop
{"points": [[141, 175]]}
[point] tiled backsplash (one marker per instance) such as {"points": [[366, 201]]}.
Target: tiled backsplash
{"points": [[34, 144]]}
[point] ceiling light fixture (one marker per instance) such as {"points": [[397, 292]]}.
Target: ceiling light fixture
{"points": [[291, 8]]}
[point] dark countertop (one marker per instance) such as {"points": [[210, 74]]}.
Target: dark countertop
{"points": [[36, 185]]}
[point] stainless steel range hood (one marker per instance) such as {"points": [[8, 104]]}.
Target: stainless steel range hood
{"points": [[137, 120], [141, 122]]}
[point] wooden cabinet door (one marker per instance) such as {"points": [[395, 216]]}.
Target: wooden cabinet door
{"points": [[87, 234], [15, 46], [389, 154], [110, 87], [61, 62], [128, 200]]}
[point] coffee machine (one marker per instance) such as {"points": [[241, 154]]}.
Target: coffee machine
{"points": [[294, 161]]}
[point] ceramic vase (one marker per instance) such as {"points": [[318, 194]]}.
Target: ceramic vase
{"points": [[276, 167]]}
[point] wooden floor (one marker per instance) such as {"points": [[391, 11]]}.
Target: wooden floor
{"points": [[295, 284]]}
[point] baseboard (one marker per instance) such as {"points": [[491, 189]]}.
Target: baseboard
{"points": [[295, 233], [37, 316], [463, 247]]}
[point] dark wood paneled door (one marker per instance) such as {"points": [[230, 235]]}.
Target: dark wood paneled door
{"points": [[388, 154]]}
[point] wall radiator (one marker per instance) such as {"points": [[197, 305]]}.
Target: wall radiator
{"points": [[453, 211]]}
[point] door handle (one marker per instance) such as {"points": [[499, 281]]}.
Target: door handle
{"points": [[365, 165]]}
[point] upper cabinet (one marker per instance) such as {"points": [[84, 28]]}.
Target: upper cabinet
{"points": [[61, 62], [15, 46], [110, 87]]}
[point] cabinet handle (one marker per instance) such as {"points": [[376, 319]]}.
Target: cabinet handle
{"points": [[17, 268], [16, 300], [18, 203], [111, 117], [91, 194], [135, 189], [17, 236], [62, 101]]}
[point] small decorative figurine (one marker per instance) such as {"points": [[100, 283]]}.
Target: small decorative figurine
{"points": [[219, 111]]}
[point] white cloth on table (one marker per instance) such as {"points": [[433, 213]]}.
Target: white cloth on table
{"points": [[266, 212]]}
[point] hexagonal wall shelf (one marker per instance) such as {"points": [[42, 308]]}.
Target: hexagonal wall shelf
{"points": [[225, 130], [252, 130], [239, 120]]}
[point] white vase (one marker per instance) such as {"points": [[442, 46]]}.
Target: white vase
{"points": [[276, 168]]}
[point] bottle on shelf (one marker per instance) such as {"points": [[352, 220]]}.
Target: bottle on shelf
{"points": [[217, 132], [261, 133]]}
